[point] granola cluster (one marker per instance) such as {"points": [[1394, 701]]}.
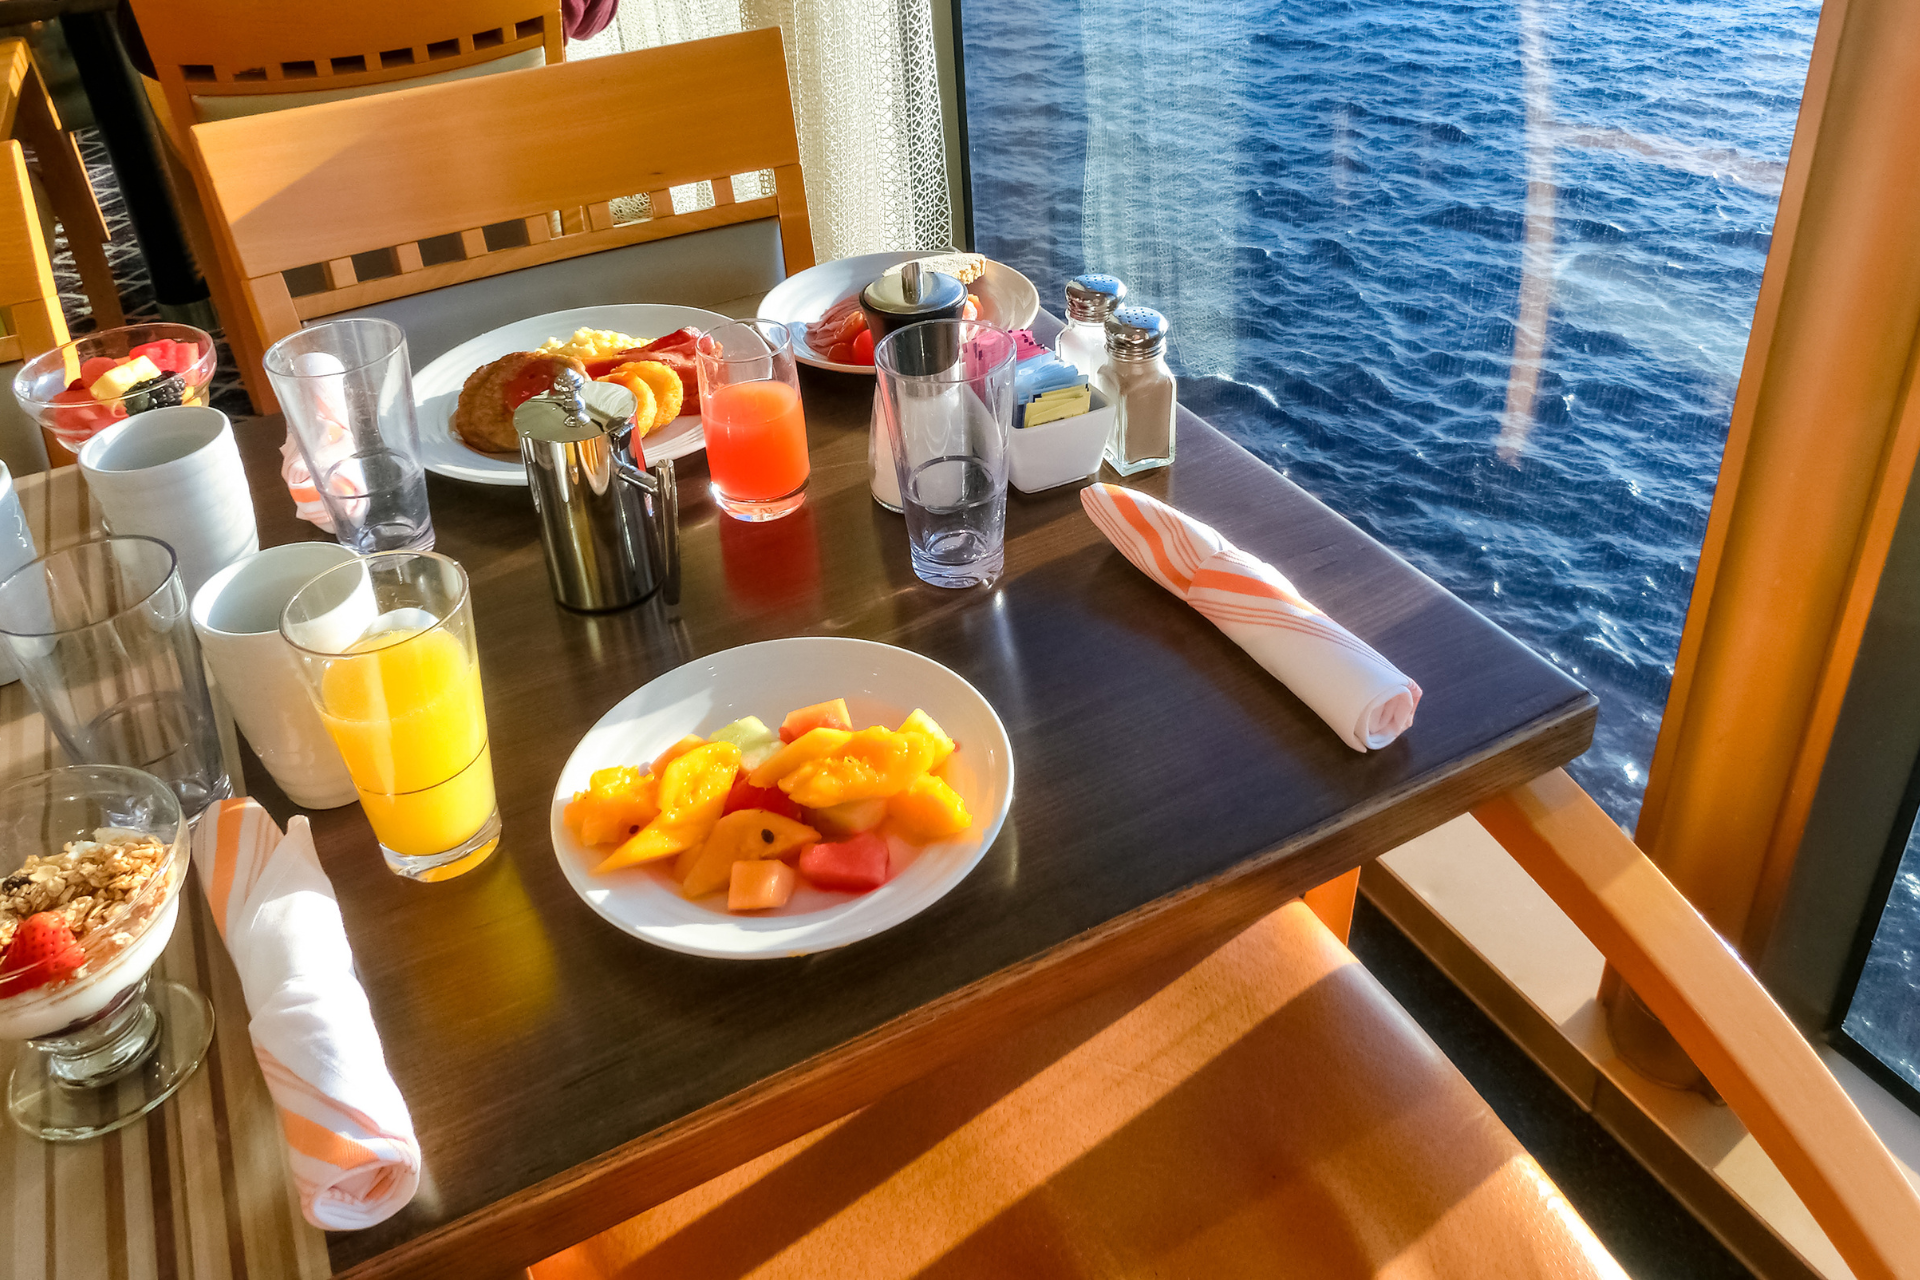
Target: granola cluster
{"points": [[88, 884]]}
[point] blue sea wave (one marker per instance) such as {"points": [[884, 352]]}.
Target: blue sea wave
{"points": [[1330, 201]]}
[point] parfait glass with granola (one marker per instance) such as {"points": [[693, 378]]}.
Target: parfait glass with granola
{"points": [[92, 858]]}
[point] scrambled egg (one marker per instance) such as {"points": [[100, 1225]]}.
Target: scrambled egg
{"points": [[588, 344]]}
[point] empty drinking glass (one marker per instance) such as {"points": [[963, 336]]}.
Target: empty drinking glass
{"points": [[104, 643], [946, 387], [347, 391]]}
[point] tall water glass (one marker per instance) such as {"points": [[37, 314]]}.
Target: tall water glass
{"points": [[946, 387], [387, 652], [104, 643], [750, 407], [347, 391]]}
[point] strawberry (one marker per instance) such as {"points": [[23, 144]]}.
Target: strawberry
{"points": [[44, 950]]}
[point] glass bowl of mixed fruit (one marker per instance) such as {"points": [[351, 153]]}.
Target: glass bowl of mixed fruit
{"points": [[94, 381]]}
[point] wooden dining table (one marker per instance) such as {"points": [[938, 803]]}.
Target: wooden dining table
{"points": [[1168, 792]]}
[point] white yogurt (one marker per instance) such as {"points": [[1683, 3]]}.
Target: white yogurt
{"points": [[48, 1009]]}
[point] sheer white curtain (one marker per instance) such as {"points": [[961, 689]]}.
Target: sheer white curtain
{"points": [[866, 98]]}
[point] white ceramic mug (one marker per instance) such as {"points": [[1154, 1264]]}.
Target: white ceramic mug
{"points": [[175, 474], [16, 549], [237, 617]]}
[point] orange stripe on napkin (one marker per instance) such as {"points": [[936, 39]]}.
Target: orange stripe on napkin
{"points": [[317, 1142], [228, 820], [1155, 545], [1246, 585]]}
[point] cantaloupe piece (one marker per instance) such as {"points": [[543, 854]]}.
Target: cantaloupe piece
{"points": [[821, 715], [760, 885]]}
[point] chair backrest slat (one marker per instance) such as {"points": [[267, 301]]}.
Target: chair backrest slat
{"points": [[209, 49], [322, 184]]}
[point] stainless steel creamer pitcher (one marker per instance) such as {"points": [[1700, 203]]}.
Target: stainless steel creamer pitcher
{"points": [[610, 529]]}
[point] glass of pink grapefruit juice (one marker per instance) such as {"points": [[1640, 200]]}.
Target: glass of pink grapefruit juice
{"points": [[755, 428]]}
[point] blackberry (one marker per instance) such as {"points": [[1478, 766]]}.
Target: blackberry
{"points": [[156, 393]]}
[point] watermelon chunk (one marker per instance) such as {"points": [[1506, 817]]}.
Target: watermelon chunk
{"points": [[858, 863], [95, 368], [167, 355], [759, 886]]}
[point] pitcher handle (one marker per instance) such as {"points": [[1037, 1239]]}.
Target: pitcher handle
{"points": [[660, 494], [664, 507]]}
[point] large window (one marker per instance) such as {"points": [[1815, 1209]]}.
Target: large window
{"points": [[1479, 275]]}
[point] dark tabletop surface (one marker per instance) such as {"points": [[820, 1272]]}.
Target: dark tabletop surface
{"points": [[1151, 755]]}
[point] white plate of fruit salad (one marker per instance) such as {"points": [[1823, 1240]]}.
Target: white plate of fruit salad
{"points": [[782, 798]]}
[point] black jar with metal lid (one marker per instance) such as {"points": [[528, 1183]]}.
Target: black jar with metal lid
{"points": [[909, 296]]}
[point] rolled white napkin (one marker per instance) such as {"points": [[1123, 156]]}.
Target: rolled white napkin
{"points": [[349, 1138], [1364, 698]]}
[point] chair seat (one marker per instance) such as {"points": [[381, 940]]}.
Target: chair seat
{"points": [[1268, 1110]]}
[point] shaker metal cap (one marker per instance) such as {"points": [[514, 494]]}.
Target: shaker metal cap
{"points": [[1093, 297], [1136, 333], [915, 292]]}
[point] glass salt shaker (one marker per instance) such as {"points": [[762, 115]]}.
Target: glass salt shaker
{"points": [[1090, 300], [1136, 380]]}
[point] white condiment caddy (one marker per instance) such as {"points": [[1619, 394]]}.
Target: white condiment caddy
{"points": [[1062, 451]]}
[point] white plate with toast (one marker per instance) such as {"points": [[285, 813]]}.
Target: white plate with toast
{"points": [[436, 388], [1008, 299]]}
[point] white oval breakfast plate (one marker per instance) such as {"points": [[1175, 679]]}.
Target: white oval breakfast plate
{"points": [[1007, 298], [436, 388], [881, 684]]}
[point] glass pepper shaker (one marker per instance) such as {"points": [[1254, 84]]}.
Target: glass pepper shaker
{"points": [[1090, 300], [1136, 380]]}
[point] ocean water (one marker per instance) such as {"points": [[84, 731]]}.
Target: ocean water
{"points": [[1477, 273], [1332, 200]]}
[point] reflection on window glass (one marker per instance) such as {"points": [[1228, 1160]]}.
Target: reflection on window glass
{"points": [[1884, 1015], [1478, 274]]}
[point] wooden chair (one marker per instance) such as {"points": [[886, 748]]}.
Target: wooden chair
{"points": [[30, 306], [408, 183], [27, 113], [1267, 1109], [220, 59]]}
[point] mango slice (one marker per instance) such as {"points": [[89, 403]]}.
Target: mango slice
{"points": [[928, 810], [810, 745], [922, 723], [873, 763], [744, 834], [693, 791]]}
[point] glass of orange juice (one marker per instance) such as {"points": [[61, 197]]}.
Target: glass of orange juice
{"points": [[386, 648], [756, 432]]}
